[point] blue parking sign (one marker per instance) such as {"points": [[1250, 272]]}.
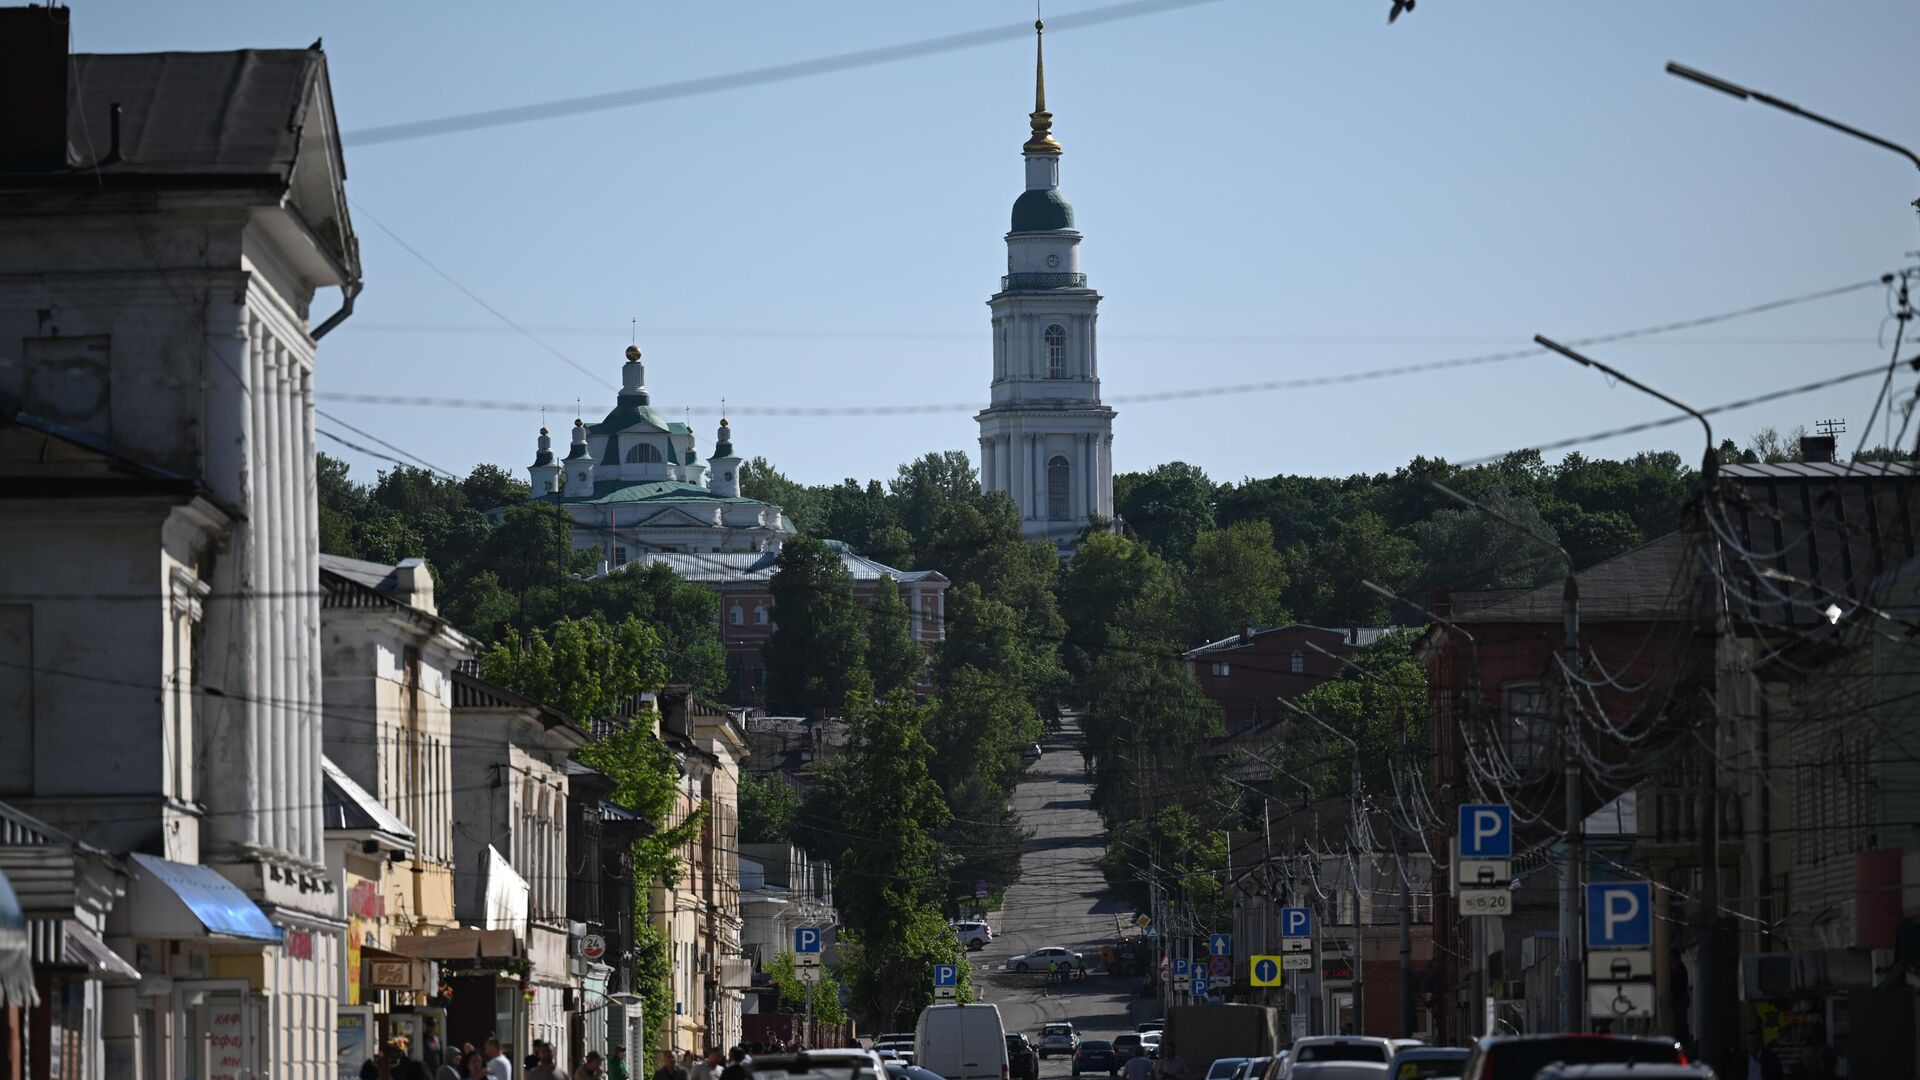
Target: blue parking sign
{"points": [[806, 939], [1220, 945], [1486, 831], [1620, 915], [1198, 987], [946, 975], [1296, 922], [1180, 967]]}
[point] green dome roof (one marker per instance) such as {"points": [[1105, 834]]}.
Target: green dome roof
{"points": [[1042, 210]]}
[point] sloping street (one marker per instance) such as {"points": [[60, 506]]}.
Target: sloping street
{"points": [[1061, 900]]}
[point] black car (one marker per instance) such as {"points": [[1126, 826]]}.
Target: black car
{"points": [[1519, 1057], [1095, 1055], [1023, 1061]]}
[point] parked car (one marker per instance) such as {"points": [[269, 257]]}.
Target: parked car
{"points": [[898, 1042], [1223, 1068], [822, 1065], [973, 934], [1150, 1040], [1426, 1062], [1095, 1055], [1521, 1057], [1128, 1046], [896, 1071], [1254, 1068], [1038, 959], [1694, 1071], [962, 1042], [1145, 1026], [1032, 753], [1023, 1061], [1058, 1038]]}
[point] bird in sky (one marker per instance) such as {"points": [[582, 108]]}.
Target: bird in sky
{"points": [[1398, 7]]}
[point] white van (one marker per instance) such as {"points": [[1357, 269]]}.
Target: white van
{"points": [[961, 1042]]}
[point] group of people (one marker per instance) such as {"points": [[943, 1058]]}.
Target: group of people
{"points": [[488, 1061], [735, 1064]]}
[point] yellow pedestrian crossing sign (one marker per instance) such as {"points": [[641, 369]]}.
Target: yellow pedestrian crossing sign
{"points": [[1267, 971]]}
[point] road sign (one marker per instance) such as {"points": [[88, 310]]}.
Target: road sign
{"points": [[806, 939], [1220, 982], [1220, 945], [1486, 831], [1296, 922], [1297, 961], [1198, 986], [1620, 915], [1495, 901], [809, 973], [1180, 967], [1619, 965], [1296, 945], [982, 890], [1220, 966], [946, 975], [593, 946], [946, 991], [1141, 921], [1620, 1000], [1266, 970]]}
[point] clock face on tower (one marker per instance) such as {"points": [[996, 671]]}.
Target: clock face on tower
{"points": [[1053, 260]]}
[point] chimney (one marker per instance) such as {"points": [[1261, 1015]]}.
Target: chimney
{"points": [[33, 88], [413, 585], [1246, 633], [1817, 448]]}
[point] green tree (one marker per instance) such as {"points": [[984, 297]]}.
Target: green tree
{"points": [[1167, 507], [1352, 551], [1112, 582], [816, 658], [924, 490], [584, 667], [784, 971], [894, 659], [1365, 705], [760, 480], [1468, 549], [768, 809], [1238, 580]]}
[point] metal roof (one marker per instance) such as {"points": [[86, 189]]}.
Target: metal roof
{"points": [[736, 567], [349, 807], [231, 114], [1650, 582]]}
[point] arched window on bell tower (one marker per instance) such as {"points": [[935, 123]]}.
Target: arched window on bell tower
{"points": [[643, 454], [1058, 503], [1056, 339]]}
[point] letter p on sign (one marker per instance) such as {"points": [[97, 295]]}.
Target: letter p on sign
{"points": [[1620, 915], [1486, 831]]}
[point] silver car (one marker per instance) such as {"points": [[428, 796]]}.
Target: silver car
{"points": [[1041, 959]]}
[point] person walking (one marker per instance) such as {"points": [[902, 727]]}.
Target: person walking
{"points": [[617, 1067], [736, 1066], [668, 1069], [498, 1067], [590, 1068]]}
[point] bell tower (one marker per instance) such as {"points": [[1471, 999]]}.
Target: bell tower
{"points": [[1045, 438]]}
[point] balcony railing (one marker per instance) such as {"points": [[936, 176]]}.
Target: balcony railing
{"points": [[1009, 282]]}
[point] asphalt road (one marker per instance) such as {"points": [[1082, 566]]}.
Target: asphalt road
{"points": [[1061, 899]]}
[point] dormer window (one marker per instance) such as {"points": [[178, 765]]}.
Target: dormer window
{"points": [[643, 454], [1056, 341]]}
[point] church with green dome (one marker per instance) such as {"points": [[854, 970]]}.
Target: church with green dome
{"points": [[635, 483]]}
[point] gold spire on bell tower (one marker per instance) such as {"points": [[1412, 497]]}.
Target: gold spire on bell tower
{"points": [[1042, 121]]}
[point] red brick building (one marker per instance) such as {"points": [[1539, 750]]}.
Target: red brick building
{"points": [[1249, 674]]}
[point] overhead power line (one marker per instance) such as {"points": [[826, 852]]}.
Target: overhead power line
{"points": [[760, 76]]}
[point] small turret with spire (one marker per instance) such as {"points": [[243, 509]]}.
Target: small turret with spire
{"points": [[725, 477], [544, 473], [578, 480], [1040, 119]]}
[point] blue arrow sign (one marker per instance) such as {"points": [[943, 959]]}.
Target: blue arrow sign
{"points": [[946, 975], [1620, 915], [1180, 967], [1220, 945], [1265, 972], [1296, 922], [1486, 831], [806, 939], [1198, 986]]}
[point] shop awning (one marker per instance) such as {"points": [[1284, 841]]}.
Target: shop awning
{"points": [[16, 966], [175, 900], [462, 944], [89, 952]]}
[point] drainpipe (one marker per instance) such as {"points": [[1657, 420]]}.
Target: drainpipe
{"points": [[348, 293]]}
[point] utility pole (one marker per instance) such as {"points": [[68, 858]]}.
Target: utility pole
{"points": [[1406, 889], [1359, 925], [1572, 1010], [1711, 1046], [807, 1031]]}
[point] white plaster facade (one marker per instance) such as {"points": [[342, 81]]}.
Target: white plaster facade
{"points": [[159, 519], [1045, 438]]}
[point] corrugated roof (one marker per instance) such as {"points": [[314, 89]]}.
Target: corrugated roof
{"points": [[377, 576], [233, 114], [1650, 582], [657, 491]]}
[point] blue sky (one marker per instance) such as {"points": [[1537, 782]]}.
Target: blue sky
{"points": [[1268, 191]]}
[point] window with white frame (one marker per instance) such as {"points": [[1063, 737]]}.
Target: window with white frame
{"points": [[643, 454], [1297, 663], [1222, 669], [1059, 500], [737, 615], [1056, 341], [759, 614], [1527, 722]]}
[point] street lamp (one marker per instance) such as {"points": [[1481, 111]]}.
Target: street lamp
{"points": [[1714, 82]]}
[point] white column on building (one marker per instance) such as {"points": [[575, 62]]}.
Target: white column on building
{"points": [[310, 608], [264, 691], [274, 540], [1089, 495], [292, 600]]}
